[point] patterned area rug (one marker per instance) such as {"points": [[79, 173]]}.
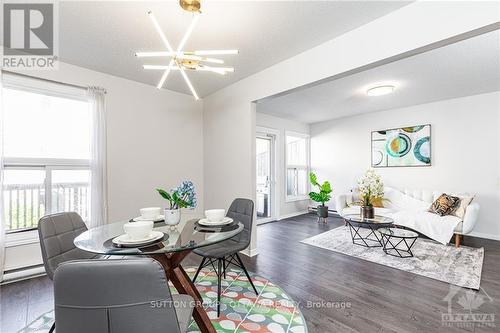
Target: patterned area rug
{"points": [[272, 310], [458, 266]]}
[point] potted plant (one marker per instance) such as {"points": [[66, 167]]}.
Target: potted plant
{"points": [[182, 196], [322, 196], [371, 188]]}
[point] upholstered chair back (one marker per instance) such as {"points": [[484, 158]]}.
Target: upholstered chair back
{"points": [[57, 233]]}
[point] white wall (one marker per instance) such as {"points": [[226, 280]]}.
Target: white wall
{"points": [[154, 137], [465, 145], [282, 125], [229, 117]]}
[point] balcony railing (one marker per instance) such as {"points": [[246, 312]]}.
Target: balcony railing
{"points": [[25, 204]]}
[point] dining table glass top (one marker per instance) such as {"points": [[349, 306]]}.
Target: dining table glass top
{"points": [[187, 236]]}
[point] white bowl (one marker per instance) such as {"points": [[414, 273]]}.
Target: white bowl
{"points": [[150, 212], [215, 215], [138, 230]]}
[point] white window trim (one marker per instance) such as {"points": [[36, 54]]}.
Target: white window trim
{"points": [[289, 198], [34, 85]]}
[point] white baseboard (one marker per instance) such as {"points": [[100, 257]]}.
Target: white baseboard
{"points": [[250, 253], [287, 216], [484, 235]]}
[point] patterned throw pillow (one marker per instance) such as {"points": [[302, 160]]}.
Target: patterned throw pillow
{"points": [[444, 205]]}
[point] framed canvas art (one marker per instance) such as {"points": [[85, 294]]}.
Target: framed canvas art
{"points": [[402, 147]]}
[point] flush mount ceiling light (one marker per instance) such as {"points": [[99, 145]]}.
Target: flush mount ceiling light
{"points": [[180, 60], [381, 90]]}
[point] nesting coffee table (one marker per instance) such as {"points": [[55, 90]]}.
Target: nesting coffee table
{"points": [[398, 242], [373, 238], [394, 240]]}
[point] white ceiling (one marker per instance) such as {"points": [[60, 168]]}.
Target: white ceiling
{"points": [[103, 35], [465, 68]]}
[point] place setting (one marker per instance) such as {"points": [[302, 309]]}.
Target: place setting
{"points": [[149, 214], [214, 220], [139, 231]]}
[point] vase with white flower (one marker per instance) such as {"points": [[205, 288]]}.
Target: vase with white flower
{"points": [[183, 196], [371, 189]]}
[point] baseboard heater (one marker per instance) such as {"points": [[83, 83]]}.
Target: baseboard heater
{"points": [[24, 273]]}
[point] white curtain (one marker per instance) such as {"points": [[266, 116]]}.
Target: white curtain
{"points": [[98, 183], [2, 222]]}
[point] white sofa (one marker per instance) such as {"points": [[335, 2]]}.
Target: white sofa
{"points": [[409, 208]]}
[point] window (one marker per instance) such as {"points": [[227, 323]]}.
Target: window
{"points": [[297, 166], [47, 130]]}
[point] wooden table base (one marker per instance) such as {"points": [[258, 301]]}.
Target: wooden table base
{"points": [[171, 263]]}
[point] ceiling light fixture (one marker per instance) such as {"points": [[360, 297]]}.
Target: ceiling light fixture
{"points": [[381, 90], [181, 60]]}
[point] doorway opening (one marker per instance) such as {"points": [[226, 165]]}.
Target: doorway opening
{"points": [[266, 207]]}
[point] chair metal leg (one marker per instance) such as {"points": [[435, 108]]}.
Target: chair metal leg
{"points": [[52, 328], [246, 273], [219, 284], [199, 269], [224, 266]]}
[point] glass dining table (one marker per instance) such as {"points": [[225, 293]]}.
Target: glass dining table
{"points": [[169, 251]]}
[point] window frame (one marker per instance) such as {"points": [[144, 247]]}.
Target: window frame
{"points": [[306, 167], [38, 86]]}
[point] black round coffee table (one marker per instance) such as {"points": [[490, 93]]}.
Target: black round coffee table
{"points": [[398, 242], [372, 238]]}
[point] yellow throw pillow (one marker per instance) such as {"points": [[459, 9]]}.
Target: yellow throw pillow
{"points": [[377, 202]]}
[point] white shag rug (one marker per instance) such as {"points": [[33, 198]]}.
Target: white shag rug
{"points": [[458, 266]]}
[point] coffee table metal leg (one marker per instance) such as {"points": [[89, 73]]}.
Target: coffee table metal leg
{"points": [[400, 252], [356, 236]]}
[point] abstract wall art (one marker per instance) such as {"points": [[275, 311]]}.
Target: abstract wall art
{"points": [[402, 147]]}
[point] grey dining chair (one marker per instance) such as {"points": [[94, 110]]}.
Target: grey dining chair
{"points": [[226, 252], [126, 296], [57, 233]]}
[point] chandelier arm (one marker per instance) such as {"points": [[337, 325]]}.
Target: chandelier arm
{"points": [[154, 54], [160, 32], [165, 75], [188, 32], [184, 75], [214, 52], [198, 58]]}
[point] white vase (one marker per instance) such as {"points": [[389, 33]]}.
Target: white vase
{"points": [[172, 216]]}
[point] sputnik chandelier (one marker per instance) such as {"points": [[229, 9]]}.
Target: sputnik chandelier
{"points": [[181, 60]]}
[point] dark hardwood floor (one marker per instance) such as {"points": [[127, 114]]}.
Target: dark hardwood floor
{"points": [[357, 295]]}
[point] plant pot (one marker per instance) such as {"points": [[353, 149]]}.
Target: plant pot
{"points": [[172, 216], [322, 211], [367, 212]]}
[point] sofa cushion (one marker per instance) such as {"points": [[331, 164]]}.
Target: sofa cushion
{"points": [[397, 200]]}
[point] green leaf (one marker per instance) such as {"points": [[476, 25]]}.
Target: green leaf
{"points": [[326, 188], [313, 179], [319, 197], [164, 194]]}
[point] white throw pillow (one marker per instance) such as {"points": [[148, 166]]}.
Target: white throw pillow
{"points": [[462, 207]]}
